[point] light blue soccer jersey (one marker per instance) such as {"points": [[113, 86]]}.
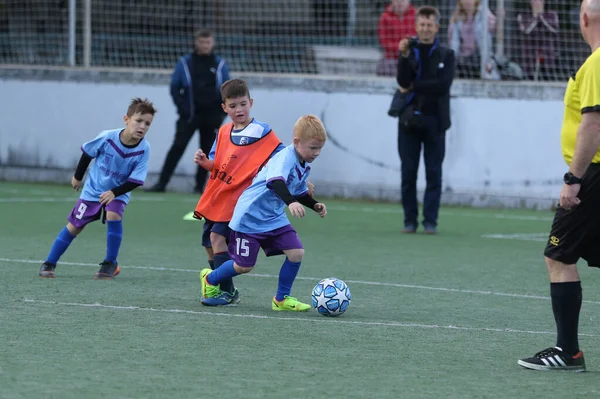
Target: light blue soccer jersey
{"points": [[114, 164], [259, 209], [248, 135]]}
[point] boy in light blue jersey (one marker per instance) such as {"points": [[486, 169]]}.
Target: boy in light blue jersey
{"points": [[244, 142], [259, 219], [121, 164], [239, 151]]}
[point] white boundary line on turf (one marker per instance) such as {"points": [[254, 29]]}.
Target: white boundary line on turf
{"points": [[539, 237], [297, 319], [259, 275], [20, 200], [338, 208]]}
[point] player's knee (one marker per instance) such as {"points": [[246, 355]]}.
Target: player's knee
{"points": [[561, 272], [242, 269], [553, 265], [73, 230], [295, 255], [218, 242], [112, 216]]}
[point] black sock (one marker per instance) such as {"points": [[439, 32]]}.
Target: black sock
{"points": [[566, 303], [211, 263], [219, 259]]}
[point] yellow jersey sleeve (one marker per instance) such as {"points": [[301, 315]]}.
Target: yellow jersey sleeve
{"points": [[589, 85]]}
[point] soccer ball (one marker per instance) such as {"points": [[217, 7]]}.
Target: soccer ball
{"points": [[331, 297]]}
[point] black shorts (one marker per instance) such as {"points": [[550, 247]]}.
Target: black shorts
{"points": [[221, 228], [575, 232]]}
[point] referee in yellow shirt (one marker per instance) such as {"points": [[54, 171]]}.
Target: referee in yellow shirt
{"points": [[576, 227]]}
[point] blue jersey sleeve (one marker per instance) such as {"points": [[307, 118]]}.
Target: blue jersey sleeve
{"points": [[92, 147], [140, 171], [213, 150], [280, 166], [301, 189]]}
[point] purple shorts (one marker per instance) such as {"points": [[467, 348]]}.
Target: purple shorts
{"points": [[86, 212], [243, 248]]}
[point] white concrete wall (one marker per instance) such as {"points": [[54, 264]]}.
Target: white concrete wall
{"points": [[495, 146]]}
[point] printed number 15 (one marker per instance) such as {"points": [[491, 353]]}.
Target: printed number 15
{"points": [[242, 248]]}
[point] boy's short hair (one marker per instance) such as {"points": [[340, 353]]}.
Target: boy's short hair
{"points": [[428, 11], [202, 32], [310, 127], [143, 106], [234, 88]]}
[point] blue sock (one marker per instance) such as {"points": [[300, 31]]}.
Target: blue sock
{"points": [[227, 284], [62, 242], [222, 273], [211, 263], [287, 275], [114, 236]]}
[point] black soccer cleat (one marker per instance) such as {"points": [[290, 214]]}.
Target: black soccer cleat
{"points": [[47, 270], [554, 359], [107, 271]]}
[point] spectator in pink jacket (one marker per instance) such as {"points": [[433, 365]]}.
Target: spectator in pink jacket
{"points": [[467, 36]]}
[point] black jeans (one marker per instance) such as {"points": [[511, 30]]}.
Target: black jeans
{"points": [[433, 142], [208, 125]]}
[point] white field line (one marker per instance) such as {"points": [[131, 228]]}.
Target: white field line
{"points": [[540, 237], [299, 319], [315, 279], [336, 208], [61, 199]]}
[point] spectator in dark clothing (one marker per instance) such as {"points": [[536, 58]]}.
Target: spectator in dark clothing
{"points": [[425, 73], [196, 91], [539, 35]]}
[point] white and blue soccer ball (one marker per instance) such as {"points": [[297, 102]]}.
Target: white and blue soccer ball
{"points": [[331, 297]]}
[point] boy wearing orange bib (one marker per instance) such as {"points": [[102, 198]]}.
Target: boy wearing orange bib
{"points": [[241, 148]]}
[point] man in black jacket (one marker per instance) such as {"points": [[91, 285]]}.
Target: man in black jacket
{"points": [[425, 74], [196, 92]]}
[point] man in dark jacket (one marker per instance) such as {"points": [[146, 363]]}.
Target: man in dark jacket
{"points": [[425, 74], [195, 88]]}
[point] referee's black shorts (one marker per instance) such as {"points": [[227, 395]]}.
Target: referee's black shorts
{"points": [[576, 232]]}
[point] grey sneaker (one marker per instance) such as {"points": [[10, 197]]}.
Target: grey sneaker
{"points": [[47, 270], [409, 229], [429, 229]]}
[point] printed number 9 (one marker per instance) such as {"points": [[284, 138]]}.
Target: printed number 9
{"points": [[242, 247], [81, 210]]}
